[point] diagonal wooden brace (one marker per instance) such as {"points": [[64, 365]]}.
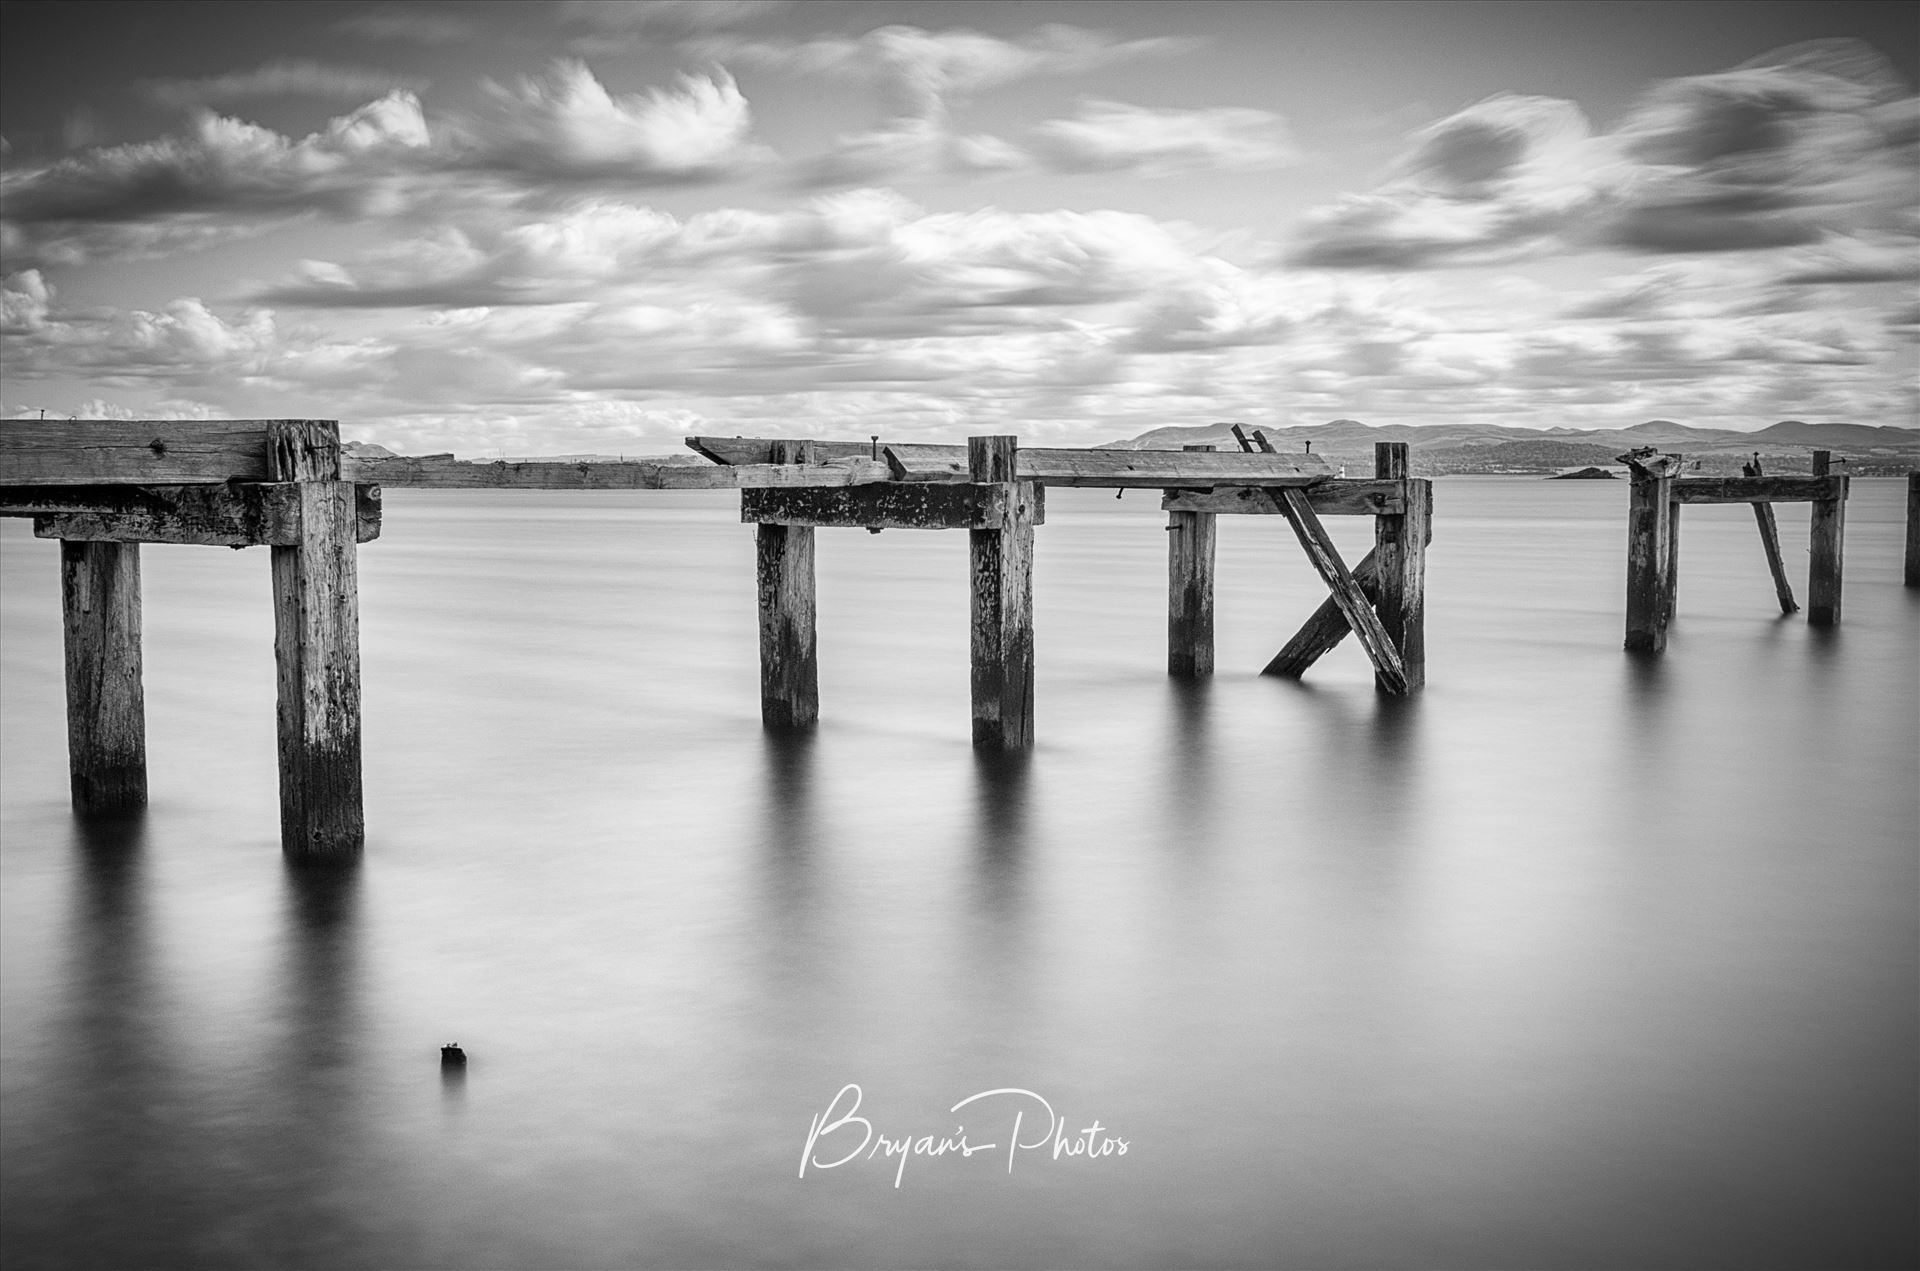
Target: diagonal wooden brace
{"points": [[1353, 603], [1328, 626]]}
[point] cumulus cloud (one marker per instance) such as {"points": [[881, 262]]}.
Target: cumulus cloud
{"points": [[220, 165], [223, 177], [566, 124], [1108, 136], [284, 78]]}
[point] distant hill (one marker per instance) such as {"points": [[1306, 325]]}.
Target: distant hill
{"points": [[1440, 449]]}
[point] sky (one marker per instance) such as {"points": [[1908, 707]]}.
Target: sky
{"points": [[597, 227]]}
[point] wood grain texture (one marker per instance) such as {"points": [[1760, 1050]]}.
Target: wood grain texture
{"points": [[1335, 496], [789, 658], [1389, 671], [1191, 538], [1763, 520], [443, 472], [106, 703], [1912, 575], [1827, 545], [316, 611], [1649, 500], [1753, 489], [1001, 583], [233, 514], [147, 452], [1400, 546], [1121, 469], [890, 506]]}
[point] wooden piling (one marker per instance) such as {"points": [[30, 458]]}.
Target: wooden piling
{"points": [[316, 612], [1400, 553], [1190, 559], [1913, 529], [1649, 527], [1827, 544], [1670, 589], [106, 705], [1001, 577], [1770, 543], [789, 659]]}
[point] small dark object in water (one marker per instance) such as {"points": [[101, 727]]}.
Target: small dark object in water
{"points": [[1584, 474], [451, 1056]]}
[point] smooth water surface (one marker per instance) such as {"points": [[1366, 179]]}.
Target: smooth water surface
{"points": [[1575, 960]]}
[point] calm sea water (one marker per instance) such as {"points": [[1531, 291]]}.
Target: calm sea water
{"points": [[1577, 960]]}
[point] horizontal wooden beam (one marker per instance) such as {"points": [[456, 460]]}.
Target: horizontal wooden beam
{"points": [[1108, 469], [443, 472], [892, 506], [1335, 496], [1119, 469], [142, 452], [236, 514], [1755, 489]]}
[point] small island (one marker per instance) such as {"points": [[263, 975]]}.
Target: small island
{"points": [[1585, 474]]}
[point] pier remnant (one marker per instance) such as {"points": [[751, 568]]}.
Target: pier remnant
{"points": [[1001, 573], [1358, 600], [104, 487], [316, 644], [1190, 558], [106, 705], [1913, 529], [1654, 502], [1770, 542], [1650, 560], [789, 660], [1400, 551], [1828, 545]]}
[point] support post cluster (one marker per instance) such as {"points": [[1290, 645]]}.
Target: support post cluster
{"points": [[103, 489], [1659, 489]]}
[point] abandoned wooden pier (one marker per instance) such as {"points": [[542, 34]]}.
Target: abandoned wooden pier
{"points": [[103, 488], [1657, 493]]}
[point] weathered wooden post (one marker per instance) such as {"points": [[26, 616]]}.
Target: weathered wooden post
{"points": [[106, 706], [1828, 543], [1649, 547], [316, 643], [1672, 589], [789, 659], [1913, 529], [1400, 563], [1190, 557], [1770, 542], [1001, 574]]}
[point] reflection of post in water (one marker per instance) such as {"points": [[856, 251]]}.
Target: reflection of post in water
{"points": [[320, 973], [1191, 805], [103, 1157], [1393, 755], [1000, 828], [116, 1019], [788, 834]]}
